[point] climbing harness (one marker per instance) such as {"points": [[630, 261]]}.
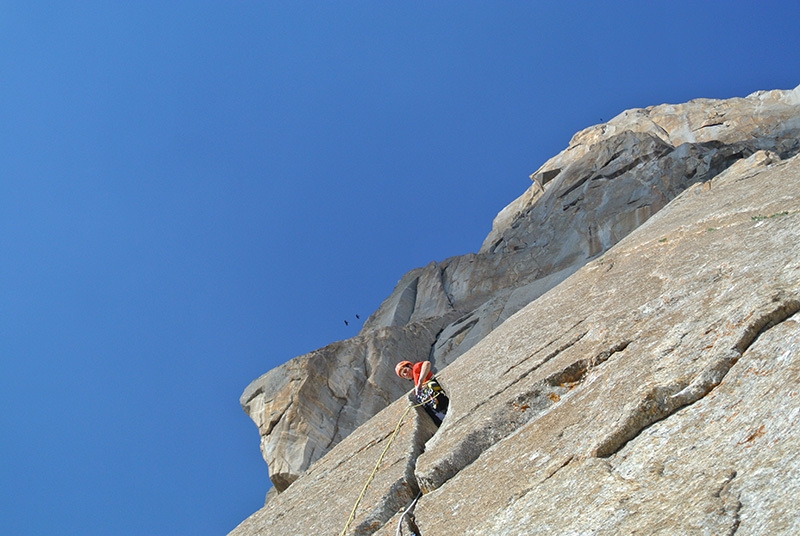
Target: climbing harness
{"points": [[430, 390], [435, 406], [380, 459]]}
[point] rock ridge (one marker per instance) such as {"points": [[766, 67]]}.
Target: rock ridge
{"points": [[611, 180], [653, 391]]}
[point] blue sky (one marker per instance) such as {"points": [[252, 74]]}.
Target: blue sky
{"points": [[192, 193]]}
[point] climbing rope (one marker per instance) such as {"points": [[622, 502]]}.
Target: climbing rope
{"points": [[380, 459], [399, 531]]}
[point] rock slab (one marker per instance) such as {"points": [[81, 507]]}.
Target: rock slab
{"points": [[610, 180], [654, 391]]}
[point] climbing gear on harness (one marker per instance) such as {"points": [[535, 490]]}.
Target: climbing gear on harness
{"points": [[430, 390], [437, 402], [377, 464]]}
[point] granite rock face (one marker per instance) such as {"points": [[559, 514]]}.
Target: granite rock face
{"points": [[321, 500], [654, 391], [310, 403], [611, 179]]}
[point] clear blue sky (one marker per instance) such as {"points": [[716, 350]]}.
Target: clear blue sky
{"points": [[192, 193]]}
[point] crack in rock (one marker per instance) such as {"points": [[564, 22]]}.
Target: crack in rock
{"points": [[554, 471], [403, 490], [552, 354], [731, 502], [659, 402], [523, 408]]}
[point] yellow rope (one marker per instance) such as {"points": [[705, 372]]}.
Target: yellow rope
{"points": [[380, 459]]}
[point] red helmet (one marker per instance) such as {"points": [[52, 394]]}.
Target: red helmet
{"points": [[401, 365]]}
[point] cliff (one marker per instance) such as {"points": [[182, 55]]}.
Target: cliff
{"points": [[652, 387]]}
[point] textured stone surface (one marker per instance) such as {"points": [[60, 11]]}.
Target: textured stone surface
{"points": [[647, 392], [310, 403], [610, 180], [666, 404], [699, 139], [321, 501], [654, 391]]}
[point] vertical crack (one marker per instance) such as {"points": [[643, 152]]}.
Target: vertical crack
{"points": [[731, 502], [408, 520], [404, 489]]}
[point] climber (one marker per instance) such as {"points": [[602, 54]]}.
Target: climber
{"points": [[426, 388]]}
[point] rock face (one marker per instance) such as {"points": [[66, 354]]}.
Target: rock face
{"points": [[611, 179], [654, 391], [310, 403]]}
